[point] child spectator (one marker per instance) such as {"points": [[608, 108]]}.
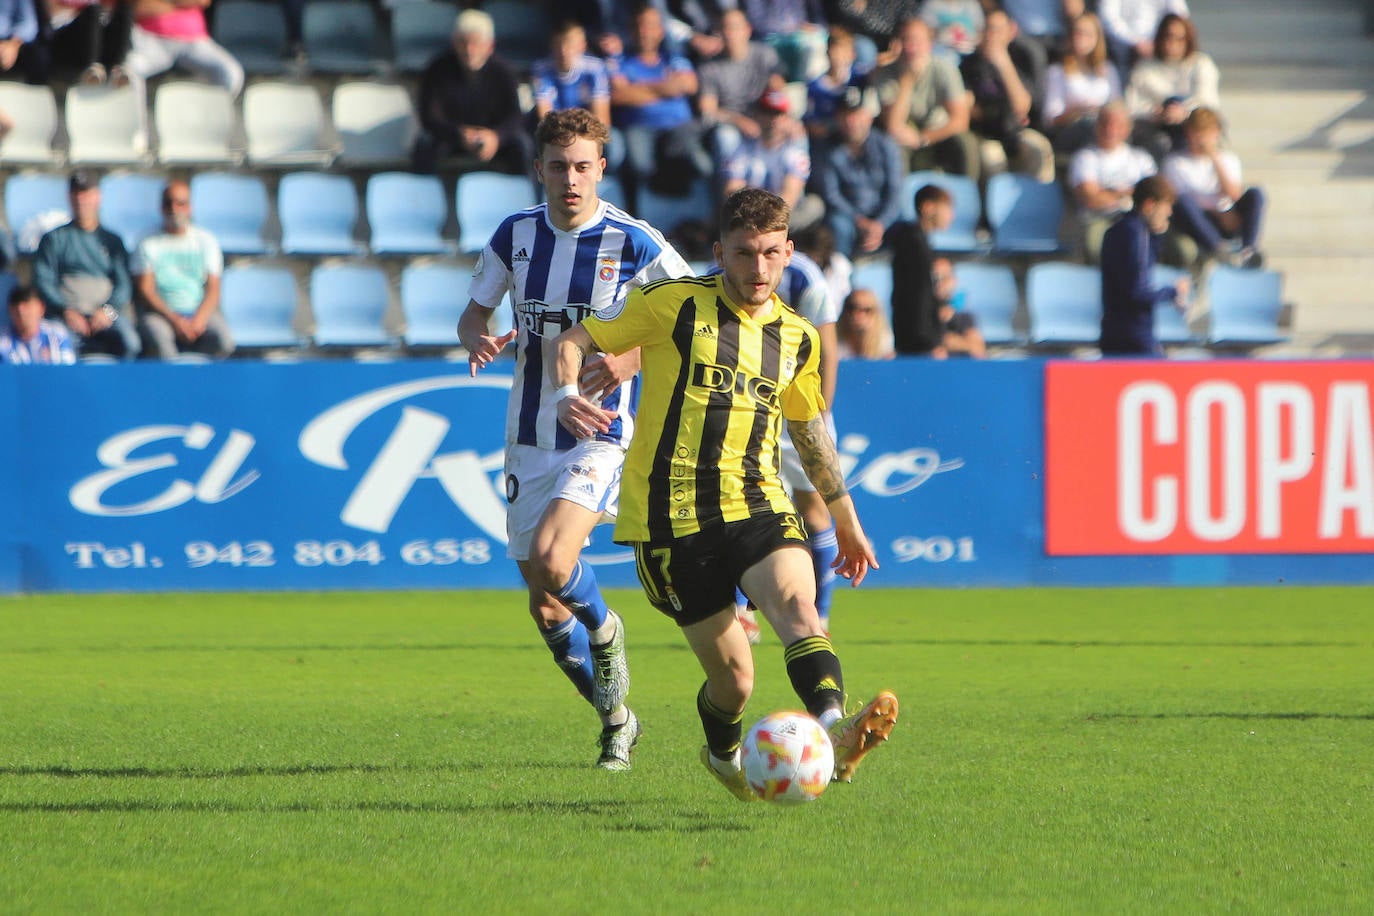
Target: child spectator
{"points": [[823, 93], [1213, 206], [31, 338], [778, 160], [961, 335]]}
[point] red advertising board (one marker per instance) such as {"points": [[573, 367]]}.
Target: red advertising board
{"points": [[1224, 457]]}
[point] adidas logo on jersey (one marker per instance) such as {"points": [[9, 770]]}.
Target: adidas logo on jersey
{"points": [[521, 255], [705, 332]]}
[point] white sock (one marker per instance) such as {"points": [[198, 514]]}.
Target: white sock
{"points": [[727, 767], [830, 717], [604, 633]]}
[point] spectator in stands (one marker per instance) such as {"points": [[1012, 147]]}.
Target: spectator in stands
{"points": [[925, 107], [1078, 86], [1131, 26], [860, 177], [81, 271], [862, 329], [957, 24], [733, 82], [570, 77], [176, 274], [917, 327], [1129, 251], [1213, 205], [22, 48], [874, 23], [1103, 176], [1167, 88], [778, 160], [651, 93], [824, 92], [961, 333], [999, 76], [1043, 23], [171, 33], [31, 338], [92, 38], [469, 106], [689, 25], [793, 28]]}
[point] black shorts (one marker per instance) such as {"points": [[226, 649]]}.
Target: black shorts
{"points": [[694, 577]]}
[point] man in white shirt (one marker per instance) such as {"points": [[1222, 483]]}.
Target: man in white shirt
{"points": [[176, 277], [1104, 176]]}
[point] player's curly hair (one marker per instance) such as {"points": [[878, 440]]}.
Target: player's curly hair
{"points": [[563, 128], [754, 210]]}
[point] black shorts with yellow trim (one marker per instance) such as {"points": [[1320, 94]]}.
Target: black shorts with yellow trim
{"points": [[694, 577]]}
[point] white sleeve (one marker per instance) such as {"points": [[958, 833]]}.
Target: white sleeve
{"points": [[490, 279]]}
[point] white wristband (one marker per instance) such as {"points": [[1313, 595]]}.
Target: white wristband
{"points": [[567, 391]]}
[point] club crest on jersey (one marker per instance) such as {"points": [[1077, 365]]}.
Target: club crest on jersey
{"points": [[607, 271]]}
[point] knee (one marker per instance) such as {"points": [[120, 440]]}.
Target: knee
{"points": [[732, 691], [549, 569]]}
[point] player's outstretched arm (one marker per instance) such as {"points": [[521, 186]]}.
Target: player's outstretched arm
{"points": [[579, 416], [477, 339], [821, 462]]}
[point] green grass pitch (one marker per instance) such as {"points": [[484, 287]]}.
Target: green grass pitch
{"points": [[1059, 751]]}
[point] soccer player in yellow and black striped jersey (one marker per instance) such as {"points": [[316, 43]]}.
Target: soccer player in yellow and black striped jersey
{"points": [[724, 364]]}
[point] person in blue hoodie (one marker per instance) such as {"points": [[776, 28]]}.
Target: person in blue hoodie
{"points": [[1130, 249]]}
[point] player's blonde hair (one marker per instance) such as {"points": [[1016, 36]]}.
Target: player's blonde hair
{"points": [[754, 210]]}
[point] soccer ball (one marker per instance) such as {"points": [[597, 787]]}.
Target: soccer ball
{"points": [[788, 758]]}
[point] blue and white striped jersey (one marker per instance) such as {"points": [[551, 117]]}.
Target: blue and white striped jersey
{"points": [[555, 279]]}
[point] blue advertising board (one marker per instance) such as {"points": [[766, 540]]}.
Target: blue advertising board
{"points": [[342, 475]]}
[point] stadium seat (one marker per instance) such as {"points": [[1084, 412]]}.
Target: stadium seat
{"points": [[376, 123], [482, 200], [260, 305], [318, 214], [196, 123], [34, 112], [34, 204], [406, 213], [1171, 326], [666, 212], [341, 36], [233, 208], [430, 306], [1024, 214], [254, 31], [349, 303], [962, 235], [1065, 304], [522, 34], [420, 30], [286, 126], [874, 274], [1244, 308], [131, 206], [106, 125], [991, 296]]}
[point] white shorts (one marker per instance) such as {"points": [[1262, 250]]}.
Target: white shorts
{"points": [[792, 473], [588, 475]]}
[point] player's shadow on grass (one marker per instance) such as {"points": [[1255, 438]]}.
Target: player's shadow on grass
{"points": [[304, 769], [1273, 716], [614, 809]]}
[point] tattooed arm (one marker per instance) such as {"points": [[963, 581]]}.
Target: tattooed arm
{"points": [[821, 462]]}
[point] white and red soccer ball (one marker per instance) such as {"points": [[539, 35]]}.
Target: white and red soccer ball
{"points": [[787, 758]]}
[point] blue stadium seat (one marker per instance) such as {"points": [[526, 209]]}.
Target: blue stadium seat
{"points": [[482, 200], [1171, 326], [420, 30], [260, 305], [962, 235], [33, 204], [341, 36], [131, 206], [254, 31], [665, 212], [991, 296], [1024, 214], [1065, 304], [406, 213], [233, 208], [875, 274], [1244, 308], [430, 305], [349, 303], [318, 213]]}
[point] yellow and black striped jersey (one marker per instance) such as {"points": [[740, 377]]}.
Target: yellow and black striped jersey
{"points": [[717, 384]]}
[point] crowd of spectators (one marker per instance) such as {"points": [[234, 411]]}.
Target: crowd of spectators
{"points": [[830, 104]]}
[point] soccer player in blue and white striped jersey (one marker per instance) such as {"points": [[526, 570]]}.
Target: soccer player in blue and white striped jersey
{"points": [[559, 262]]}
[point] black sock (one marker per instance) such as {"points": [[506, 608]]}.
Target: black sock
{"points": [[815, 673], [723, 730]]}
